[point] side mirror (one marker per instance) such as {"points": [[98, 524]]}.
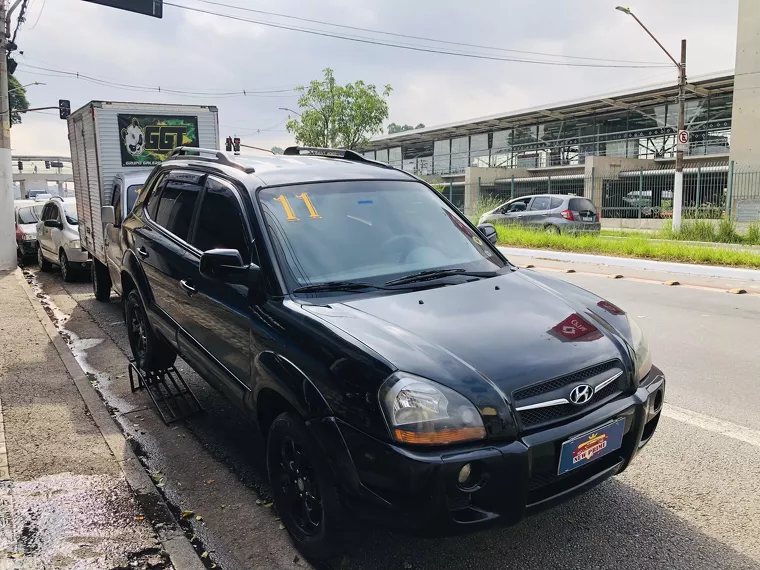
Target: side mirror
{"points": [[489, 232], [226, 265], [53, 224], [107, 215]]}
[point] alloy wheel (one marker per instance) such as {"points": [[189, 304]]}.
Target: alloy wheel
{"points": [[138, 328], [298, 483]]}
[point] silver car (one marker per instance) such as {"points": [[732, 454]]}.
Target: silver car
{"points": [[553, 213], [58, 239]]}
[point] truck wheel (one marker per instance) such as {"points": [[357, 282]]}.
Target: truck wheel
{"points": [[44, 264], [101, 281], [151, 352], [67, 272], [304, 489]]}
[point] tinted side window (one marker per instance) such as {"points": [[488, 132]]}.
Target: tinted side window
{"points": [[582, 205], [556, 203], [151, 205], [45, 212], [177, 203], [220, 221], [540, 203]]}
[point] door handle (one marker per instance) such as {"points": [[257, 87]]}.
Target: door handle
{"points": [[188, 287], [142, 252]]}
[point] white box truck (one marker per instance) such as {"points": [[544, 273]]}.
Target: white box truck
{"points": [[114, 147]]}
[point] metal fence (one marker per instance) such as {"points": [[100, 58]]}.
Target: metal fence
{"points": [[709, 191]]}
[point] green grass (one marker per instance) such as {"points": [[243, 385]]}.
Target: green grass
{"points": [[632, 246], [697, 230]]}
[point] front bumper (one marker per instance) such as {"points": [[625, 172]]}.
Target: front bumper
{"points": [[27, 247], [77, 257], [417, 490]]}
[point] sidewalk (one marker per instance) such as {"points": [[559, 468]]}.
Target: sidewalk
{"points": [[64, 497]]}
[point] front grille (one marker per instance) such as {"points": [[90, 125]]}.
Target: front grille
{"points": [[538, 416], [562, 381]]}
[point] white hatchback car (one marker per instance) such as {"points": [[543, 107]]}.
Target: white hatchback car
{"points": [[58, 239]]}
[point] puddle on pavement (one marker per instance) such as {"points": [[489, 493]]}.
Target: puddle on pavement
{"points": [[81, 522]]}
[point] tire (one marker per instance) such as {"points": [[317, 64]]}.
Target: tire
{"points": [[150, 351], [551, 229], [44, 264], [304, 489], [67, 272], [101, 281]]}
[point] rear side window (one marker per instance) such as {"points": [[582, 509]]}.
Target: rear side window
{"points": [[176, 204], [220, 221], [556, 203], [540, 203], [582, 205]]}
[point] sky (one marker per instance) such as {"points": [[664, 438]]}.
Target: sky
{"points": [[194, 52]]}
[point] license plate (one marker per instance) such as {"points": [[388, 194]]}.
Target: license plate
{"points": [[587, 218], [587, 447]]}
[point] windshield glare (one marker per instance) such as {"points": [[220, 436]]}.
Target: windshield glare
{"points": [[29, 215], [370, 231]]}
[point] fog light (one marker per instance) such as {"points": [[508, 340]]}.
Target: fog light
{"points": [[464, 473]]}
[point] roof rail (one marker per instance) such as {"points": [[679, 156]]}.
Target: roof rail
{"points": [[332, 153], [208, 155]]}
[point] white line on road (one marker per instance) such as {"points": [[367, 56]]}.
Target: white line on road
{"points": [[709, 423]]}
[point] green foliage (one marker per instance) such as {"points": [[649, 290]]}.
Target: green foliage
{"points": [[276, 150], [691, 230], [16, 99], [486, 204], [639, 247], [753, 233], [394, 128], [339, 116], [727, 232]]}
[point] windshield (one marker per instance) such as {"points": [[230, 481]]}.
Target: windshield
{"points": [[369, 231], [29, 214], [71, 214], [132, 193]]}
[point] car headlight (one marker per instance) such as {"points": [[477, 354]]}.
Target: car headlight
{"points": [[641, 349], [75, 244], [420, 411], [29, 236]]}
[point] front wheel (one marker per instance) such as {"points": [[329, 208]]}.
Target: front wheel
{"points": [[304, 489], [101, 281], [151, 352], [67, 272]]}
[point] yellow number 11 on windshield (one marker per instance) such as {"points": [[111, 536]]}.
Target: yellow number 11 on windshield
{"points": [[291, 215]]}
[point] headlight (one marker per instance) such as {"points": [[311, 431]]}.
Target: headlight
{"points": [[29, 236], [75, 244], [641, 348], [420, 411]]}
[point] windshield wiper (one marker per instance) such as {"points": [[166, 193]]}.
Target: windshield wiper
{"points": [[336, 286], [431, 274]]}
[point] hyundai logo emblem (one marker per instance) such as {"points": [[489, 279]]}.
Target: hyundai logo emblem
{"points": [[581, 394]]}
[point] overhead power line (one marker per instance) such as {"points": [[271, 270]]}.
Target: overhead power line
{"points": [[435, 40], [37, 21], [411, 47]]}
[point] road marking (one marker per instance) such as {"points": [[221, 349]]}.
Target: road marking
{"points": [[709, 423]]}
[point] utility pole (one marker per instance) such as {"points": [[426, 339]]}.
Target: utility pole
{"points": [[678, 179], [7, 217]]}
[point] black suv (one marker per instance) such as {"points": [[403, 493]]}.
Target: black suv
{"points": [[399, 367]]}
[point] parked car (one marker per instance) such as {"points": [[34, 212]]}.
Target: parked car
{"points": [[27, 214], [642, 200], [58, 239], [38, 195], [552, 212], [401, 370]]}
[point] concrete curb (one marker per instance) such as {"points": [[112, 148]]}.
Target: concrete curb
{"points": [[634, 263], [174, 541]]}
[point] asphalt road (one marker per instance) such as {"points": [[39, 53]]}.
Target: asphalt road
{"points": [[691, 500]]}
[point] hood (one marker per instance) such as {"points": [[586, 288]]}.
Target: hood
{"points": [[513, 330], [29, 229]]}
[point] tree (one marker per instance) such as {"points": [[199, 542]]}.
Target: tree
{"points": [[16, 99], [394, 128], [339, 116], [276, 150]]}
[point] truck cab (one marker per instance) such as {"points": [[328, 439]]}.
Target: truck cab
{"points": [[126, 189]]}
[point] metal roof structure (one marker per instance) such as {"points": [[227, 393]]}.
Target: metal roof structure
{"points": [[699, 86]]}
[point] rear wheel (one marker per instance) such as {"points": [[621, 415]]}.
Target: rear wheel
{"points": [[304, 489], [101, 281], [150, 351], [67, 272], [550, 229], [44, 264]]}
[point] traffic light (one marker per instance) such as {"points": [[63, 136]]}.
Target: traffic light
{"points": [[228, 144], [64, 108], [20, 166], [236, 144], [47, 164]]}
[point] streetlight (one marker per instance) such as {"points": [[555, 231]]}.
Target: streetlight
{"points": [[25, 86], [678, 181], [290, 110]]}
